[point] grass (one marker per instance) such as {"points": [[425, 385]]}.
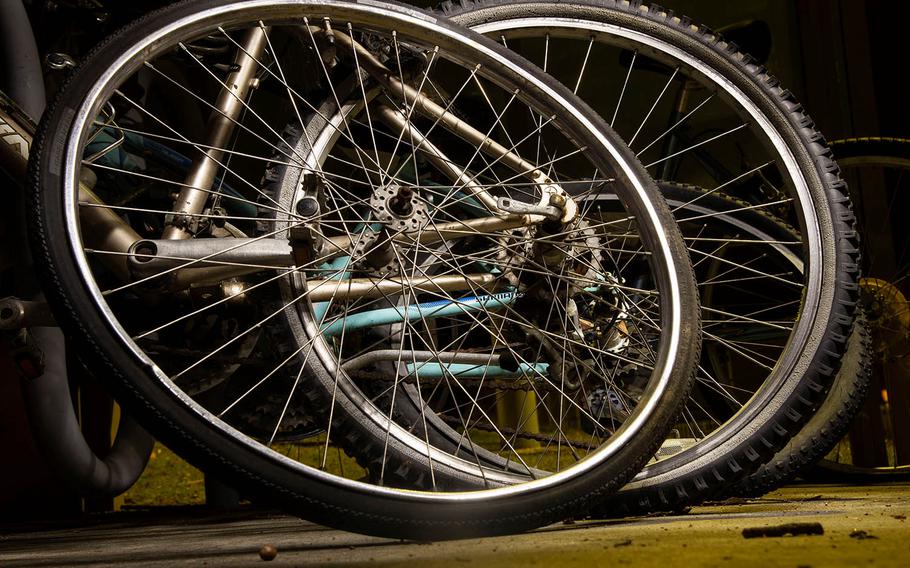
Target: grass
{"points": [[167, 480]]}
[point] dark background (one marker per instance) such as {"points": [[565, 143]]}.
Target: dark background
{"points": [[841, 58]]}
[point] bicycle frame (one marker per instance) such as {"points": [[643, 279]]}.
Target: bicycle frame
{"points": [[178, 261]]}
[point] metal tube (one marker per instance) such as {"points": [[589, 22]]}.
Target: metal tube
{"points": [[20, 64], [210, 276], [437, 370], [427, 107], [397, 120], [420, 356], [412, 98], [52, 419], [230, 103], [324, 290], [277, 252], [54, 425], [472, 227], [150, 256], [104, 230], [425, 311]]}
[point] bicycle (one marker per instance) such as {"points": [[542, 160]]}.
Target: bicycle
{"points": [[402, 261]]}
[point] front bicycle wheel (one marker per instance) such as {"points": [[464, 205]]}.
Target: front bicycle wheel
{"points": [[428, 247], [699, 112]]}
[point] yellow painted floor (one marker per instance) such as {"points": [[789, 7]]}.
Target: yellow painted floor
{"points": [[706, 536]]}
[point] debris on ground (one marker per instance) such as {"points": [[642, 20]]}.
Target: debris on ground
{"points": [[626, 542], [268, 552], [793, 529], [861, 535], [675, 512], [729, 501]]}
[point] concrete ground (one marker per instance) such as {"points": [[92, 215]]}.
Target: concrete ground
{"points": [[863, 526]]}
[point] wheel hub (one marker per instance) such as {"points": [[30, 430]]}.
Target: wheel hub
{"points": [[399, 210]]}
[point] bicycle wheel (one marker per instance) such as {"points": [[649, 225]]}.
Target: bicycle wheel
{"points": [[824, 431], [762, 242], [878, 170], [768, 244], [697, 111], [434, 221]]}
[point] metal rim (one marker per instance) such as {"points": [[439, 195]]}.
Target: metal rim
{"points": [[407, 19], [803, 336]]}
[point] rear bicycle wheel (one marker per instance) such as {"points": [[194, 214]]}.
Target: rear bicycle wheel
{"points": [[699, 112], [176, 324], [878, 450], [768, 244], [762, 242]]}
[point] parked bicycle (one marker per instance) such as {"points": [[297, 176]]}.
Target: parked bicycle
{"points": [[413, 250], [383, 271]]}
